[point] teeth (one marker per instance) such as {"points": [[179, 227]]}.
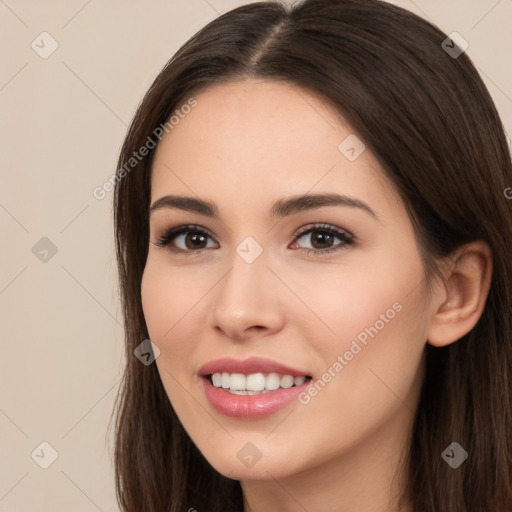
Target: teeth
{"points": [[236, 392], [272, 381], [237, 382], [254, 383], [217, 380], [225, 380], [299, 380], [286, 381]]}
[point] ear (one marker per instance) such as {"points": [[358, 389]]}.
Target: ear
{"points": [[459, 302]]}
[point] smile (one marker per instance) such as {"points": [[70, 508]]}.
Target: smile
{"points": [[252, 388], [254, 383]]}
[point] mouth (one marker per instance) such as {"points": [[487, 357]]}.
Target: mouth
{"points": [[255, 383], [252, 388]]}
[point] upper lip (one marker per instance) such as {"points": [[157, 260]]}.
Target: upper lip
{"points": [[248, 366]]}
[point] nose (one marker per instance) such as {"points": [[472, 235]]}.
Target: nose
{"points": [[246, 304]]}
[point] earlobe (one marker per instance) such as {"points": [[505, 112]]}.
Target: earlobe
{"points": [[462, 296]]}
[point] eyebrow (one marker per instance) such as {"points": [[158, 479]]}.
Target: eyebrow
{"points": [[281, 208]]}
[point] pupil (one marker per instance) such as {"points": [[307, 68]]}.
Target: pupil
{"points": [[196, 240], [323, 239]]}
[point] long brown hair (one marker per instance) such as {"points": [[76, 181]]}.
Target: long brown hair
{"points": [[428, 118]]}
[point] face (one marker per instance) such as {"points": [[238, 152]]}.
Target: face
{"points": [[264, 289]]}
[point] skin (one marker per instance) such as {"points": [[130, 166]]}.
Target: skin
{"points": [[245, 145]]}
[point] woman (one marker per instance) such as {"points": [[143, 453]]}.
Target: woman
{"points": [[314, 235]]}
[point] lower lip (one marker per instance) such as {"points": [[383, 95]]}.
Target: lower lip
{"points": [[251, 406]]}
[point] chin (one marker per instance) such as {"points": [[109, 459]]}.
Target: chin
{"points": [[248, 463]]}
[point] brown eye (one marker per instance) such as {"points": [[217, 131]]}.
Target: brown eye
{"points": [[186, 239], [323, 239], [194, 241]]}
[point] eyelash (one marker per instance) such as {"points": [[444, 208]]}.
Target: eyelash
{"points": [[345, 237]]}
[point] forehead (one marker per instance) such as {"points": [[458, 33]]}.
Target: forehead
{"points": [[255, 140]]}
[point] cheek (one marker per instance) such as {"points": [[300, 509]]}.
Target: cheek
{"points": [[164, 303], [168, 296], [365, 292], [175, 305], [170, 303], [377, 314]]}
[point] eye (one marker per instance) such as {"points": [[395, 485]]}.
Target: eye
{"points": [[185, 239], [322, 239], [194, 239]]}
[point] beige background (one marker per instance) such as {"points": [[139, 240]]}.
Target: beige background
{"points": [[62, 123]]}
